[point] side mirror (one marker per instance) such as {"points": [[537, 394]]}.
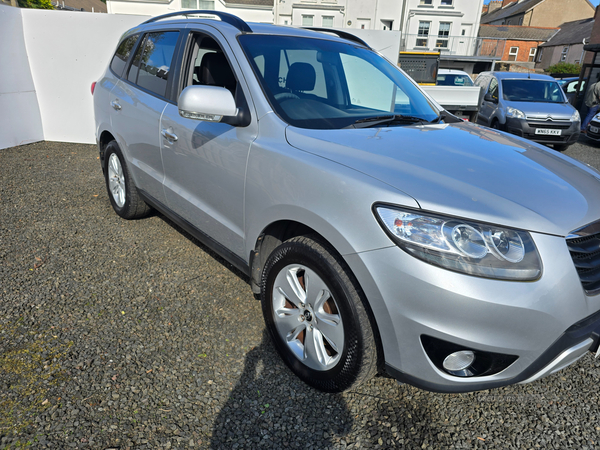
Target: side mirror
{"points": [[210, 103], [490, 98]]}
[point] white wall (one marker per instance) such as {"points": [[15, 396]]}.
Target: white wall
{"points": [[67, 52], [19, 109]]}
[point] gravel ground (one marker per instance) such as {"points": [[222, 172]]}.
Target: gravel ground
{"points": [[131, 335]]}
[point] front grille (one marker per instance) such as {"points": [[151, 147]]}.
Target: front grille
{"points": [[585, 251], [551, 125]]}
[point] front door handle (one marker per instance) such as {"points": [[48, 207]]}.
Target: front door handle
{"points": [[169, 135], [115, 105]]}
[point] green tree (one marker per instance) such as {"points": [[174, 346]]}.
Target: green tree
{"points": [[563, 67], [35, 4]]}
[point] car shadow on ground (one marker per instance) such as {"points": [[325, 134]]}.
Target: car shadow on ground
{"points": [[263, 408]]}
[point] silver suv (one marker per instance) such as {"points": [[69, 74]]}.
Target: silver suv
{"points": [[382, 233]]}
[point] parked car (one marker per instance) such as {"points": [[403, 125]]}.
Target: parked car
{"points": [[529, 105], [455, 92], [382, 233], [593, 128], [570, 87]]}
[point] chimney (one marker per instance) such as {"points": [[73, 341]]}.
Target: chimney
{"points": [[484, 9], [494, 5]]}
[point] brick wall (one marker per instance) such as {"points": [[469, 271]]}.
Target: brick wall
{"points": [[524, 48]]}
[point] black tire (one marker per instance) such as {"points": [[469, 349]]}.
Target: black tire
{"points": [[497, 125], [349, 366], [126, 202], [560, 147]]}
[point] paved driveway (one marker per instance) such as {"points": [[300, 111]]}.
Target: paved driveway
{"points": [[117, 334]]}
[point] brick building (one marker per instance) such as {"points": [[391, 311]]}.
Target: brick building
{"points": [[537, 13], [519, 43]]}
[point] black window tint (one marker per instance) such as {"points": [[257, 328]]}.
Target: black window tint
{"points": [[135, 64], [122, 54], [155, 62]]}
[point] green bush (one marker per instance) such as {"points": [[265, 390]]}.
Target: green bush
{"points": [[563, 67], [35, 4]]}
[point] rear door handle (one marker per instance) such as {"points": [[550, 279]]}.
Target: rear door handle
{"points": [[169, 135], [115, 105]]}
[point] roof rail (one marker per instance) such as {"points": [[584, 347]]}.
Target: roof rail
{"points": [[342, 34], [225, 17]]}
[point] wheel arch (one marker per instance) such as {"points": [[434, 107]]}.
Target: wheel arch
{"points": [[282, 230], [105, 138]]}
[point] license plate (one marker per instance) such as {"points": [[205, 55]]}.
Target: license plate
{"points": [[547, 131], [593, 129]]}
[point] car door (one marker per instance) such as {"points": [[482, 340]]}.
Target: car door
{"points": [[205, 162], [138, 101], [488, 107]]}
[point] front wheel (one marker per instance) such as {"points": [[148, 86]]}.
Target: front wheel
{"points": [[316, 316], [122, 192], [561, 147]]}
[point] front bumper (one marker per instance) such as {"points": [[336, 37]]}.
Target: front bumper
{"points": [[546, 324], [593, 130], [526, 128]]}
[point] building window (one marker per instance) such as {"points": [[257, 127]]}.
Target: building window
{"points": [[540, 55], [443, 34], [532, 52], [307, 21], [512, 53], [446, 2], [198, 4], [327, 21], [423, 34], [563, 54], [425, 2]]}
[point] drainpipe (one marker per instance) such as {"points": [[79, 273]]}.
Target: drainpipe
{"points": [[402, 27]]}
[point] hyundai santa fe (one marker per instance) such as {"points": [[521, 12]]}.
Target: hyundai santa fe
{"points": [[381, 233]]}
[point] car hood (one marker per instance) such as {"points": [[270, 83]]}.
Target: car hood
{"points": [[468, 171], [541, 111]]}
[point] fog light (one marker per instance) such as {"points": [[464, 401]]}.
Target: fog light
{"points": [[458, 361]]}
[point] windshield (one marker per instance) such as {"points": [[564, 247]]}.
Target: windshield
{"points": [[532, 91], [317, 83], [454, 80]]}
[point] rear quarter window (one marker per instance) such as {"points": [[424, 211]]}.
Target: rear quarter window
{"points": [[119, 61]]}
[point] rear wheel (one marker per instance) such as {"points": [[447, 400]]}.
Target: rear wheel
{"points": [[122, 192], [316, 316]]}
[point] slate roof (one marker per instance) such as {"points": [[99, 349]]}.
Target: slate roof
{"points": [[572, 33], [517, 32], [511, 10]]}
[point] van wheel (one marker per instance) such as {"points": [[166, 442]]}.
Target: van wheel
{"points": [[497, 125], [122, 192], [560, 147], [316, 316]]}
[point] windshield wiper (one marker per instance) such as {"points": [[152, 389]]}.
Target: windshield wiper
{"points": [[377, 120]]}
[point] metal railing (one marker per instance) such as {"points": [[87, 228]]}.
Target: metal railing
{"points": [[453, 45]]}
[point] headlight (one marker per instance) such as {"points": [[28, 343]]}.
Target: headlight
{"points": [[463, 245], [514, 113], [576, 117]]}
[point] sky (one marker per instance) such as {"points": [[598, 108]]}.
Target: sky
{"points": [[593, 2]]}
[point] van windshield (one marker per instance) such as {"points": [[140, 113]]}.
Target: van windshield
{"points": [[532, 91], [318, 83]]}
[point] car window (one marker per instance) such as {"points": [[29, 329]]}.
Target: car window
{"points": [[454, 80], [493, 89], [573, 86], [119, 61], [527, 90], [317, 83], [152, 61]]}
